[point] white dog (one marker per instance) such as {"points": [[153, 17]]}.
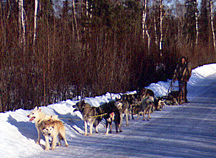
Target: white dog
{"points": [[38, 116]]}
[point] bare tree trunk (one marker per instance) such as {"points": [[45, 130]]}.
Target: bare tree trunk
{"points": [[3, 24], [22, 27], [197, 30], [212, 23], [144, 26], [35, 24], [197, 27], [75, 21], [161, 28], [155, 29], [48, 55]]}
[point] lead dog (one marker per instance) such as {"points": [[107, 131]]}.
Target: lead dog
{"points": [[53, 128], [37, 116], [89, 114]]}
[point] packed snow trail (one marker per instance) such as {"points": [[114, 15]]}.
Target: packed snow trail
{"points": [[187, 130]]}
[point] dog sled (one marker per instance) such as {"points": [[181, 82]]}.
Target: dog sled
{"points": [[174, 94]]}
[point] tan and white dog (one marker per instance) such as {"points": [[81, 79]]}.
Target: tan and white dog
{"points": [[37, 116], [53, 128]]}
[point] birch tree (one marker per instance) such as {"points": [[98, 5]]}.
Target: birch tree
{"points": [[144, 25], [161, 27], [75, 20], [22, 26], [197, 25], [35, 24], [158, 25], [212, 23]]}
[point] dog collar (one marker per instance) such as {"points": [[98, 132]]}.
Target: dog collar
{"points": [[39, 121]]}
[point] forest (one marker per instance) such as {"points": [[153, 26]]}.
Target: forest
{"points": [[53, 50]]}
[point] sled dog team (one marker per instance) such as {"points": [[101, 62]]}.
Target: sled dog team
{"points": [[51, 126]]}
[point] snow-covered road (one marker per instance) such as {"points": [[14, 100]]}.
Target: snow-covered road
{"points": [[187, 130]]}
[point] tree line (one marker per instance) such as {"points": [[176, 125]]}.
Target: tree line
{"points": [[54, 50]]}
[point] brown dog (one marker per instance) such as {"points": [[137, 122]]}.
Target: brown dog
{"points": [[53, 129]]}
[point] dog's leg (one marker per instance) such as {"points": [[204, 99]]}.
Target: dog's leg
{"points": [[39, 134], [144, 114], [121, 118], [132, 112], [119, 128], [54, 141], [47, 146], [138, 115], [175, 101], [63, 136], [110, 131], [86, 132], [117, 125], [96, 129], [150, 106], [107, 127], [91, 126], [66, 143], [127, 115]]}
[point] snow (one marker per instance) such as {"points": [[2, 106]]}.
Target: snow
{"points": [[18, 134]]}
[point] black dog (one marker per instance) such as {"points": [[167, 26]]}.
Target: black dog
{"points": [[111, 113]]}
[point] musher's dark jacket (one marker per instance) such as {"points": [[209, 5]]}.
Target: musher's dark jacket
{"points": [[182, 72]]}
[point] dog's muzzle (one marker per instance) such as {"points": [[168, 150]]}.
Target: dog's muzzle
{"points": [[31, 118]]}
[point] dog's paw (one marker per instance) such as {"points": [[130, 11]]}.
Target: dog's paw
{"points": [[46, 149]]}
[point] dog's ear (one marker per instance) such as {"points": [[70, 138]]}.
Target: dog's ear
{"points": [[35, 108], [74, 106], [75, 110], [39, 109]]}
